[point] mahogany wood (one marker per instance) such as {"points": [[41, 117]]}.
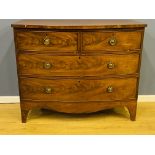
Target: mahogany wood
{"points": [[78, 90], [73, 107], [100, 41], [34, 40], [34, 65], [77, 24], [78, 66]]}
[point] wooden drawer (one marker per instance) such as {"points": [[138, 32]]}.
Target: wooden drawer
{"points": [[78, 90], [47, 65], [46, 41], [112, 41]]}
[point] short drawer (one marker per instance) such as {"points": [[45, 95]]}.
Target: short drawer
{"points": [[48, 65], [46, 41], [78, 90], [112, 41]]}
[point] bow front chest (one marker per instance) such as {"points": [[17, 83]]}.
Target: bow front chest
{"points": [[78, 66]]}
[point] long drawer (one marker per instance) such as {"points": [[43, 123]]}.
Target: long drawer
{"points": [[69, 90], [48, 65]]}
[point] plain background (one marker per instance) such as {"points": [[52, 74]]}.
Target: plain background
{"points": [[8, 75]]}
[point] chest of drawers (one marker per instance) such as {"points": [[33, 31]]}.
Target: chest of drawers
{"points": [[78, 66]]}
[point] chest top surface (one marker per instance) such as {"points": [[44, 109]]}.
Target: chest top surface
{"points": [[78, 24]]}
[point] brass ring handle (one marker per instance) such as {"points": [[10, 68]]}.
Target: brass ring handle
{"points": [[112, 41], [47, 65], [110, 65], [48, 90], [46, 41], [110, 89]]}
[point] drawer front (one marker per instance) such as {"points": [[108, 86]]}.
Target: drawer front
{"points": [[111, 41], [47, 65], [46, 41], [78, 90]]}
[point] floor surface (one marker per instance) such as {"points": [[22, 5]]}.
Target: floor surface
{"points": [[114, 121]]}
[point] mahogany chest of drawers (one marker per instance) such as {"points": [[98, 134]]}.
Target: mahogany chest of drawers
{"points": [[78, 66]]}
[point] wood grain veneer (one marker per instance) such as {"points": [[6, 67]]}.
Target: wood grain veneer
{"points": [[78, 66], [34, 65]]}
